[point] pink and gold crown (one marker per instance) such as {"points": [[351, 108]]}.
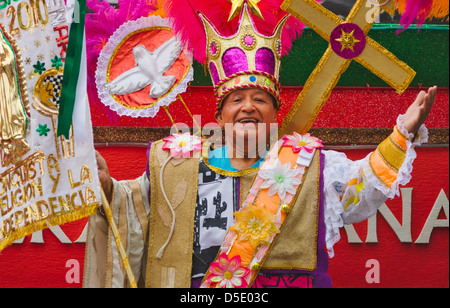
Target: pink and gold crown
{"points": [[246, 59]]}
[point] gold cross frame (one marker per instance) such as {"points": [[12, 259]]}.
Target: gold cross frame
{"points": [[325, 76]]}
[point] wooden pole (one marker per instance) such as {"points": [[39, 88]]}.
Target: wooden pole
{"points": [[116, 234]]}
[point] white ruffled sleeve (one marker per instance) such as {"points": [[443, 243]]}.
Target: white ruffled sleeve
{"points": [[353, 191]]}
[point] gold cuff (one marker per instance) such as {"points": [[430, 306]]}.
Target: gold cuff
{"points": [[389, 156]]}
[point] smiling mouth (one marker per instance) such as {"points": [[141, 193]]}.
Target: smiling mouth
{"points": [[248, 121]]}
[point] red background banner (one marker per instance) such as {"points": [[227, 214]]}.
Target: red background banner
{"points": [[54, 258], [50, 264]]}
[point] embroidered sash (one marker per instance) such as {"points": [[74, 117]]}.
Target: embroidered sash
{"points": [[261, 218]]}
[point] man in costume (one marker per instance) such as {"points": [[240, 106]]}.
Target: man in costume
{"points": [[236, 216]]}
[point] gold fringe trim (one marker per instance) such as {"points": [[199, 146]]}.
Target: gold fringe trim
{"points": [[46, 223]]}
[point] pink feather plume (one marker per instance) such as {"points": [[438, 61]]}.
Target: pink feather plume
{"points": [[416, 10], [190, 27], [104, 20]]}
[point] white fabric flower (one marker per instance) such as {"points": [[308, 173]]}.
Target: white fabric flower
{"points": [[280, 179]]}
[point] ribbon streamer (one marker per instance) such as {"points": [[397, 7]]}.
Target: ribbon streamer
{"points": [[71, 69]]}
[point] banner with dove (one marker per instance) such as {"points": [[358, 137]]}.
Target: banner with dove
{"points": [[45, 179], [142, 67]]}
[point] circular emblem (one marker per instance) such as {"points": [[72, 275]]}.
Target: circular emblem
{"points": [[142, 67], [248, 41], [348, 40], [48, 88]]}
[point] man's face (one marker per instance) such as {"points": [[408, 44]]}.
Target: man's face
{"points": [[247, 115]]}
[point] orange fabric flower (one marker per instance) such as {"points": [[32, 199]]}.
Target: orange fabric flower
{"points": [[255, 224]]}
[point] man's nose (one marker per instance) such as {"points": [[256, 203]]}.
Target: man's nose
{"points": [[247, 104]]}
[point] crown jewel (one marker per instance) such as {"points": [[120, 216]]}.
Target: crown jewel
{"points": [[246, 59]]}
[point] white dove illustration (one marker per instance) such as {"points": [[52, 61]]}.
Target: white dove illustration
{"points": [[149, 69]]}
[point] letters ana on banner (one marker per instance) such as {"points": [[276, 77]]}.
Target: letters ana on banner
{"points": [[44, 179]]}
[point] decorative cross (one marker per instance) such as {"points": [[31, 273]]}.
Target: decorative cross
{"points": [[348, 41]]}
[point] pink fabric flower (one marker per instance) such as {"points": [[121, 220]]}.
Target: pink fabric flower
{"points": [[225, 273], [182, 145], [299, 142]]}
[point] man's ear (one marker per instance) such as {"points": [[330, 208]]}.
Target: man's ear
{"points": [[218, 116]]}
